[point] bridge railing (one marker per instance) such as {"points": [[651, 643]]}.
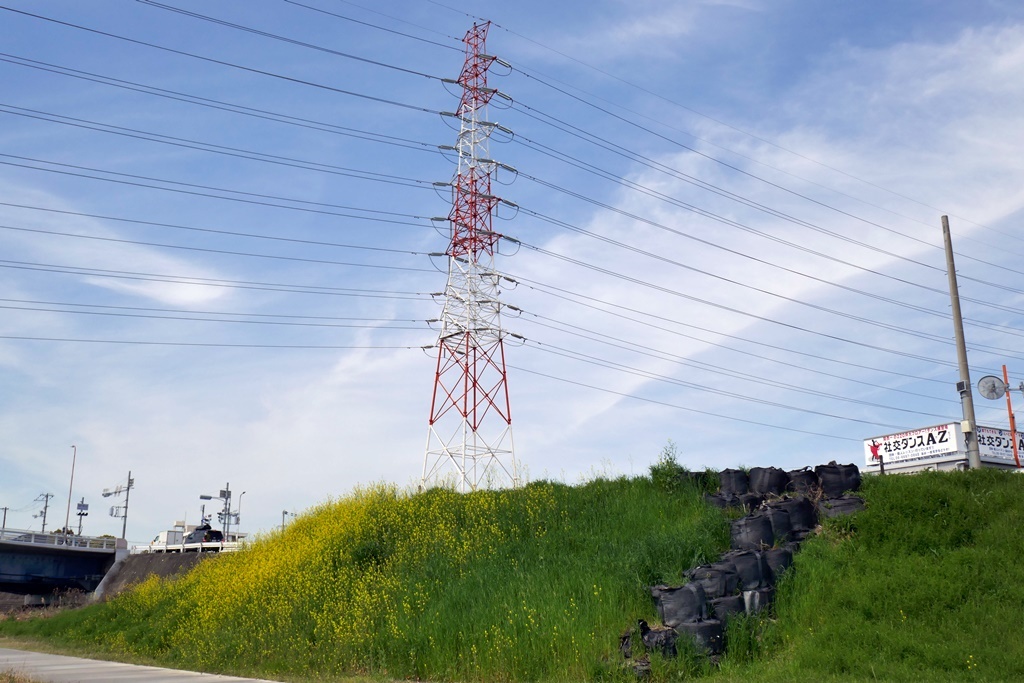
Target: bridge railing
{"points": [[58, 540], [219, 546]]}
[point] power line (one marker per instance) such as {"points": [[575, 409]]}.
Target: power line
{"points": [[227, 252], [707, 367], [184, 311], [214, 148], [215, 231], [215, 189], [292, 41], [679, 407], [566, 353], [133, 342], [724, 124], [378, 27], [214, 282], [211, 60], [562, 293], [221, 105], [183, 318], [577, 330]]}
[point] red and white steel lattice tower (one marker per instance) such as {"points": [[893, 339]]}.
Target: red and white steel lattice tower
{"points": [[470, 432]]}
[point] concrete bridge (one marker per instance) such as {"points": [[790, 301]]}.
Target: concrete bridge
{"points": [[39, 564]]}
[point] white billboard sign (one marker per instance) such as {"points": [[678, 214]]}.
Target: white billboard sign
{"points": [[940, 443], [994, 445]]}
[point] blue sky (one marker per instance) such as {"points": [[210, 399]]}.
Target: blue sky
{"points": [[730, 236]]}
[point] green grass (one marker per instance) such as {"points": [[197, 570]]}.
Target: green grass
{"points": [[527, 585], [927, 584]]}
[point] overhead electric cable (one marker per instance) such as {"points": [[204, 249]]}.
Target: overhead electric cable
{"points": [[658, 166], [182, 318], [300, 81], [232, 233], [560, 324], [718, 370], [214, 148], [784, 325], [132, 342], [187, 311], [214, 282], [730, 126], [275, 36], [221, 105], [233, 253], [217, 189], [704, 388], [686, 408], [650, 285], [378, 27]]}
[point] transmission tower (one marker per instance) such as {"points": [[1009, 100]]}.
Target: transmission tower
{"points": [[470, 432]]}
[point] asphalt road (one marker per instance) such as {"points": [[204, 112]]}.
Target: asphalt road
{"points": [[60, 669]]}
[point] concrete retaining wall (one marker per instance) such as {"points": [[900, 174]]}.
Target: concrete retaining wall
{"points": [[137, 568]]}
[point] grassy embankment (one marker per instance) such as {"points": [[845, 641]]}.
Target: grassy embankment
{"points": [[536, 584], [927, 584]]}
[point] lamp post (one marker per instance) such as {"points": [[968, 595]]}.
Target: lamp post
{"points": [[238, 513], [284, 516], [225, 514], [117, 511], [67, 516]]}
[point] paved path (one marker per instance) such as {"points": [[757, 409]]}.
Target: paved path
{"points": [[60, 669]]}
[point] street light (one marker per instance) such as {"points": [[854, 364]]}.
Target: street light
{"points": [[67, 516], [284, 515], [118, 511], [238, 513], [225, 514]]}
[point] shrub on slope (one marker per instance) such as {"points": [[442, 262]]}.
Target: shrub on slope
{"points": [[532, 584]]}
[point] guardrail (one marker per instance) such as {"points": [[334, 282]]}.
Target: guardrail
{"points": [[58, 540], [217, 547]]}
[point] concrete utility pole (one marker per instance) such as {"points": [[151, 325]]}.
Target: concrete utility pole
{"points": [[964, 385], [43, 498]]}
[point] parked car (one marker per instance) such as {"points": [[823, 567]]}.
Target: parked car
{"points": [[204, 534]]}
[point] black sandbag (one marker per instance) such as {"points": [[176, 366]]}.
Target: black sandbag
{"points": [[803, 481], [765, 480], [717, 580], [779, 560], [838, 479], [757, 600], [734, 482], [658, 639], [707, 635], [842, 505], [796, 537], [751, 568], [626, 643], [752, 532], [723, 608], [802, 513], [721, 500], [679, 604], [781, 525], [750, 501]]}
